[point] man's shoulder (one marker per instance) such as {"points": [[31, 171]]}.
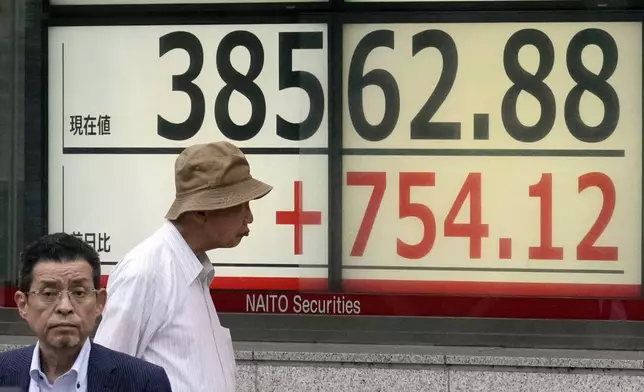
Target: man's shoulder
{"points": [[144, 257], [125, 360], [16, 358]]}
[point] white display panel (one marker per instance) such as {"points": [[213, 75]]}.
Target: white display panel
{"points": [[448, 103], [111, 158]]}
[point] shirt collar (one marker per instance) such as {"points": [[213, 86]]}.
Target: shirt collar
{"points": [[79, 368], [193, 266]]}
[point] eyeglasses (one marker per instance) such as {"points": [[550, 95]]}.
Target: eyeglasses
{"points": [[51, 296]]}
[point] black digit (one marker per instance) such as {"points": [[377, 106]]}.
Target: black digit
{"points": [[377, 77], [190, 127], [532, 84], [421, 127], [245, 84], [596, 84], [302, 79]]}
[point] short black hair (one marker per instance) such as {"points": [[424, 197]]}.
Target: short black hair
{"points": [[57, 247]]}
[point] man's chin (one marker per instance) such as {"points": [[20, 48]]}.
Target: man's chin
{"points": [[239, 239], [236, 242], [64, 341]]}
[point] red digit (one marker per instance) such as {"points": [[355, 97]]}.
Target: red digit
{"points": [[586, 250], [545, 251], [476, 230], [416, 210], [378, 180]]}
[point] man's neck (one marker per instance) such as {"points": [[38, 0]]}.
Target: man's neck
{"points": [[191, 239], [56, 362]]}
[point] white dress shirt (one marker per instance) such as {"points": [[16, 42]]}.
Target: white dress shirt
{"points": [[75, 380], [159, 309]]}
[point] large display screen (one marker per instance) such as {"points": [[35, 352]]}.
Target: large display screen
{"points": [[478, 158]]}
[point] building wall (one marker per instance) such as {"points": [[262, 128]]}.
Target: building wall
{"points": [[7, 59], [21, 141], [271, 367]]}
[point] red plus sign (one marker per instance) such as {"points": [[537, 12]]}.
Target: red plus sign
{"points": [[298, 217]]}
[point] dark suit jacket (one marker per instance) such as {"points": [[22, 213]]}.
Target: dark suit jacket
{"points": [[107, 371]]}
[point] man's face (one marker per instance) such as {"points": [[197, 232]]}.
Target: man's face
{"points": [[228, 227], [61, 319]]}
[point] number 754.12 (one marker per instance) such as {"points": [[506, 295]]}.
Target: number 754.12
{"points": [[476, 230]]}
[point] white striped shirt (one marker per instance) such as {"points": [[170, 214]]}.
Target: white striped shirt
{"points": [[159, 309]]}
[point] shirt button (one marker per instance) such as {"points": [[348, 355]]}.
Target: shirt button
{"points": [[77, 385]]}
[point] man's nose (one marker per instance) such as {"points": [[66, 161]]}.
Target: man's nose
{"points": [[249, 214], [64, 305]]}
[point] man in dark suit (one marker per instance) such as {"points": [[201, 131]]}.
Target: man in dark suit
{"points": [[60, 298]]}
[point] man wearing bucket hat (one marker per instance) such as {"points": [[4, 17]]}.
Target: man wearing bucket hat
{"points": [[159, 306]]}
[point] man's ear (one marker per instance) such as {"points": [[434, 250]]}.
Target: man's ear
{"points": [[200, 217], [101, 300], [22, 303]]}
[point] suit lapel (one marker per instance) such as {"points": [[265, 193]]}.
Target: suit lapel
{"points": [[100, 371], [26, 380]]}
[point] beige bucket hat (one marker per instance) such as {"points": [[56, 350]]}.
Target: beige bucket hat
{"points": [[213, 176]]}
